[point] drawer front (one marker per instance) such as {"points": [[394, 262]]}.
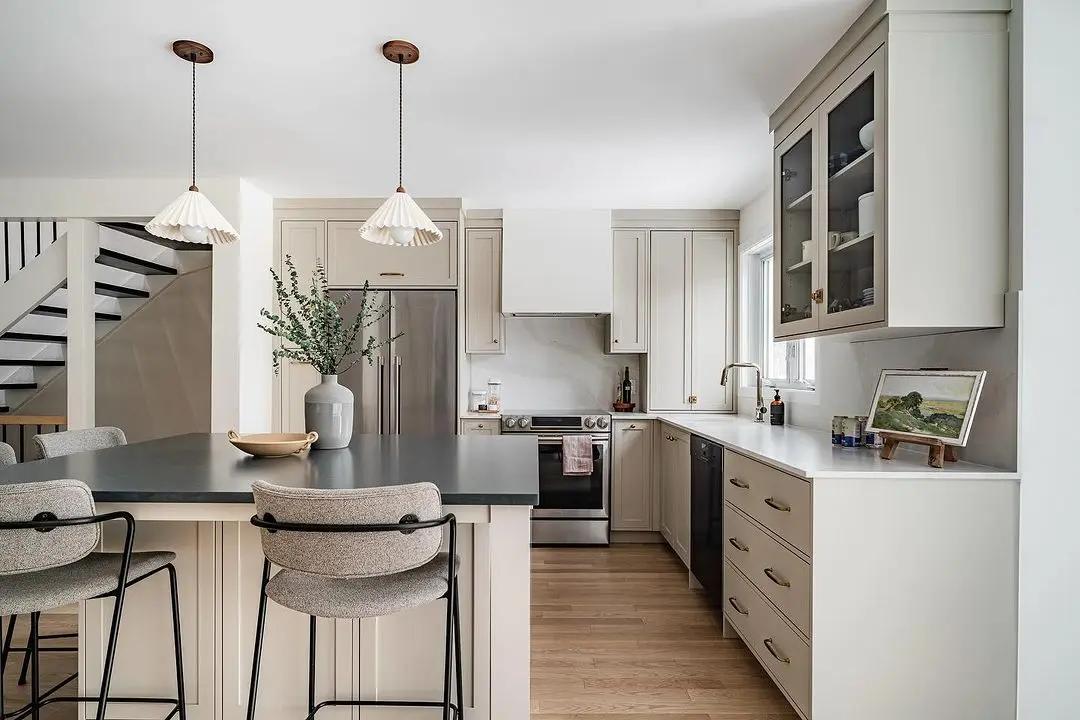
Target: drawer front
{"points": [[781, 575], [480, 427], [758, 622], [779, 501]]}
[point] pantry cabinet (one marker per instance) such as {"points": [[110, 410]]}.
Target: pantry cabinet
{"points": [[352, 261], [484, 324], [628, 324], [890, 180], [691, 319], [674, 477], [632, 475]]}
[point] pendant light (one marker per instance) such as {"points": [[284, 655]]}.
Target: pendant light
{"points": [[192, 217], [399, 220]]}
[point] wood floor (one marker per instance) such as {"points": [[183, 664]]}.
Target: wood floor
{"points": [[617, 635], [54, 666]]}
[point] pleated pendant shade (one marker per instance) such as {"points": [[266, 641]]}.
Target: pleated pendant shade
{"points": [[400, 221], [192, 218]]}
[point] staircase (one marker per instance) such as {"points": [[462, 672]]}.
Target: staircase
{"points": [[132, 266]]}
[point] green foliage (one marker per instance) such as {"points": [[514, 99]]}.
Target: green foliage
{"points": [[310, 327]]}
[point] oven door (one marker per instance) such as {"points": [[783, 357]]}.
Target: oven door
{"points": [[573, 496]]}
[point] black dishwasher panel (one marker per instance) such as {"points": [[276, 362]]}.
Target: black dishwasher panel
{"points": [[707, 516]]}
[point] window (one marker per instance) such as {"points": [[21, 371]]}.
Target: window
{"points": [[788, 363]]}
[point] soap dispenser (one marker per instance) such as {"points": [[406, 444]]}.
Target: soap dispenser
{"points": [[776, 410]]}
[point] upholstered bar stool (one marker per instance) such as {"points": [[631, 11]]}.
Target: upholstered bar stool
{"points": [[69, 442], [48, 535], [7, 454], [357, 553]]}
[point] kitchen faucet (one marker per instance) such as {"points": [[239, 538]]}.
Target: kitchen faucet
{"points": [[761, 411]]}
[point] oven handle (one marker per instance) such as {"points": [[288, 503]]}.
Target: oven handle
{"points": [[553, 439]]}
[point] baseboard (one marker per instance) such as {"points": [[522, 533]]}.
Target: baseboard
{"points": [[635, 536]]}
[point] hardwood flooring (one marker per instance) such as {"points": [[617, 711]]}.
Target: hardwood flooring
{"points": [[618, 635], [54, 666]]}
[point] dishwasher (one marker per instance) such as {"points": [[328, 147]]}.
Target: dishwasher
{"points": [[707, 516]]}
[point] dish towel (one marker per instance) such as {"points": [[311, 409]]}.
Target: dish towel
{"points": [[577, 455]]}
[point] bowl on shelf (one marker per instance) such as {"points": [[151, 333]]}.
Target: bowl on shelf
{"points": [[866, 135], [272, 444]]}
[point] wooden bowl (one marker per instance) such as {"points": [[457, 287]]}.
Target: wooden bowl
{"points": [[272, 444]]}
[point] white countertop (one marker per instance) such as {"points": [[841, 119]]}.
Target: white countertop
{"points": [[810, 453]]}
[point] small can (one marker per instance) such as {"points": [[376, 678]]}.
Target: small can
{"points": [[838, 430], [852, 432]]}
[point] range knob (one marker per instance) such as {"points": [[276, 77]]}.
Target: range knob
{"points": [[590, 423], [602, 422], [508, 423], [523, 423]]}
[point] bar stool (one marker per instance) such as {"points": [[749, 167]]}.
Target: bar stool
{"points": [[48, 533], [357, 553], [69, 442]]}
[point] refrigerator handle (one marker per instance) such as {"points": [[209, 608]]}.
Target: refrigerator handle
{"points": [[379, 393], [397, 393]]}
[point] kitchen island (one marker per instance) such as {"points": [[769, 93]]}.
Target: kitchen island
{"points": [[192, 494]]}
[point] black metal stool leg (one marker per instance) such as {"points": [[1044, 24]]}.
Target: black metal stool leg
{"points": [[311, 666], [457, 653], [260, 627], [35, 676], [449, 651], [110, 652], [181, 701], [7, 642]]}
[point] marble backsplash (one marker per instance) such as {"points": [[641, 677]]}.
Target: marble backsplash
{"points": [[555, 363]]}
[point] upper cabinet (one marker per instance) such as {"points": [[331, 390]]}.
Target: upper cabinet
{"points": [[352, 261], [304, 241], [628, 328], [484, 323], [890, 180]]}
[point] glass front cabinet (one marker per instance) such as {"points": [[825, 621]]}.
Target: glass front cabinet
{"points": [[829, 248]]}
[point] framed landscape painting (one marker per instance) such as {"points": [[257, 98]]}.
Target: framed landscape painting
{"points": [[937, 404]]}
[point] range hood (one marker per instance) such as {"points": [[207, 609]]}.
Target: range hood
{"points": [[556, 263]]}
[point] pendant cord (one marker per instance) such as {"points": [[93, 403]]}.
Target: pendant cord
{"points": [[400, 116], [193, 187]]}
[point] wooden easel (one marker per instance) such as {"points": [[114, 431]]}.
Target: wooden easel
{"points": [[940, 453]]}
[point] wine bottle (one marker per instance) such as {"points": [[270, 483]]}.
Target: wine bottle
{"points": [[627, 387]]}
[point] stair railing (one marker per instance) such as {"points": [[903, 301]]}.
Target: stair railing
{"points": [[16, 426], [24, 240]]}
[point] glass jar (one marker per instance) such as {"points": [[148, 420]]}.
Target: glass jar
{"points": [[476, 399], [494, 395]]}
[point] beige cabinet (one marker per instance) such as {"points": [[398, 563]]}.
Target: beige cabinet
{"points": [[352, 261], [674, 479], [304, 241], [632, 475], [296, 379], [628, 324], [484, 324], [691, 319], [470, 426]]}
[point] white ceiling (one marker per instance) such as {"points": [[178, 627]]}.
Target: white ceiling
{"points": [[544, 103]]}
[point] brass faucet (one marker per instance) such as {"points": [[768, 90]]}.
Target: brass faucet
{"points": [[762, 410]]}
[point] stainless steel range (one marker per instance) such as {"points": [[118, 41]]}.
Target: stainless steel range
{"points": [[573, 509]]}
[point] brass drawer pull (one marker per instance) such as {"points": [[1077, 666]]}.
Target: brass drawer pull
{"points": [[738, 608], [631, 426], [777, 505], [776, 577], [739, 483], [738, 545], [391, 274], [769, 645]]}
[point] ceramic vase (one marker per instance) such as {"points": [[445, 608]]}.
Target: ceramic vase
{"points": [[328, 410]]}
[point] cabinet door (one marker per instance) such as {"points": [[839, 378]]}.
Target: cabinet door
{"points": [[631, 482], [796, 243], [681, 495], [712, 319], [630, 309], [296, 379], [669, 320], [484, 326], [665, 478], [304, 241], [351, 260], [851, 165], [480, 427]]}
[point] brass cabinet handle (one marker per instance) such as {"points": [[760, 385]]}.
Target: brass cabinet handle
{"points": [[769, 645], [738, 545], [391, 274], [495, 340], [739, 483], [776, 577], [777, 505], [631, 426], [692, 399], [738, 608], [818, 295], [616, 341]]}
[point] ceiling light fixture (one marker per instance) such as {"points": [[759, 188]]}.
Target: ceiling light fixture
{"points": [[192, 217], [399, 220]]}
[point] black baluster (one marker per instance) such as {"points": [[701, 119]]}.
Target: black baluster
{"points": [[22, 444], [54, 231], [22, 244], [37, 225], [7, 269]]}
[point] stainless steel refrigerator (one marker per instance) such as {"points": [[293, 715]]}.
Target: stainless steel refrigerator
{"points": [[411, 387]]}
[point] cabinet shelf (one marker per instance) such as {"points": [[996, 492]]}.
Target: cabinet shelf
{"points": [[851, 181], [852, 242], [802, 202], [803, 266]]}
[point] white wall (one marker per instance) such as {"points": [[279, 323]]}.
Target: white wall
{"points": [[554, 363], [1049, 641]]}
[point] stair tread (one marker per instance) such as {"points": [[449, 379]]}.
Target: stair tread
{"points": [[30, 362], [119, 291], [123, 261], [137, 230], [56, 311], [17, 385], [34, 337]]}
